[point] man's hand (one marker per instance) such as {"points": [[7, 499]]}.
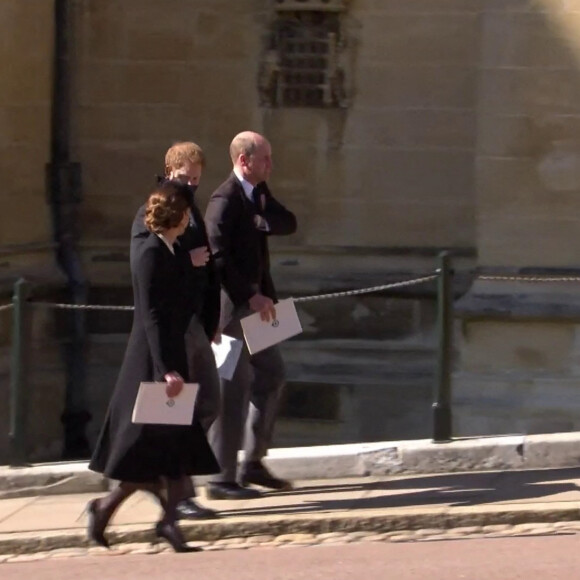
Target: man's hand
{"points": [[264, 305], [199, 256], [174, 384], [261, 224]]}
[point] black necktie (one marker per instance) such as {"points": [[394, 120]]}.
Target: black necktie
{"points": [[257, 199]]}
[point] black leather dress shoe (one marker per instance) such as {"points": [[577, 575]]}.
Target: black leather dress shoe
{"points": [[256, 473], [97, 524], [218, 490], [188, 509]]}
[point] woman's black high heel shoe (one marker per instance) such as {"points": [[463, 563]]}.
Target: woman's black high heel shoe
{"points": [[97, 524], [172, 534]]}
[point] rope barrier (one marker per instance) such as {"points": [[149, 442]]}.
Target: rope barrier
{"points": [[372, 289], [61, 306], [369, 290], [531, 278], [402, 284], [6, 307]]}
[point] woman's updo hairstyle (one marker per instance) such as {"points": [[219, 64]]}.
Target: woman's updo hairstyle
{"points": [[166, 206]]}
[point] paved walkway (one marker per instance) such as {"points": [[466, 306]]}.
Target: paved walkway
{"points": [[371, 505]]}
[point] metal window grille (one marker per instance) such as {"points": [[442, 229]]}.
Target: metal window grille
{"points": [[300, 68]]}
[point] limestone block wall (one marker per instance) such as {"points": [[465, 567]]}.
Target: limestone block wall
{"points": [[518, 377], [44, 386], [378, 185], [394, 168], [517, 365], [459, 129], [25, 60], [528, 153], [25, 96], [150, 73], [397, 169], [26, 33]]}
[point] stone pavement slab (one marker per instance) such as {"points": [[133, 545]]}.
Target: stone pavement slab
{"points": [[9, 508], [49, 479], [467, 454], [369, 504]]}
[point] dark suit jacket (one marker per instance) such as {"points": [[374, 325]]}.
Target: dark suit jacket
{"points": [[202, 282], [239, 248]]}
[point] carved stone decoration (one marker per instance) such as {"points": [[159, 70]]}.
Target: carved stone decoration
{"points": [[303, 63]]}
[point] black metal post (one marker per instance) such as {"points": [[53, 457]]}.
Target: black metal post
{"points": [[18, 373], [442, 420]]}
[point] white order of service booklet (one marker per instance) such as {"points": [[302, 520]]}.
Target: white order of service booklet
{"points": [[260, 334], [153, 406], [226, 354]]}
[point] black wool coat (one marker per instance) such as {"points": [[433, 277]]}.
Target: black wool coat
{"points": [[143, 453], [203, 282]]}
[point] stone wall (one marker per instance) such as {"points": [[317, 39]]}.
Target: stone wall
{"points": [[518, 350], [528, 147], [25, 231], [379, 185], [25, 100], [400, 154], [25, 59], [144, 74], [456, 129]]}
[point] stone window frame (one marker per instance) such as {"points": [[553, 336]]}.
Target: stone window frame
{"points": [[302, 65]]}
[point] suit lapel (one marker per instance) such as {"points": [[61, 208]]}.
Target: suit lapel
{"points": [[247, 204]]}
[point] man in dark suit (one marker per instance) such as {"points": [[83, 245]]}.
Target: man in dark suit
{"points": [[184, 162], [240, 216]]}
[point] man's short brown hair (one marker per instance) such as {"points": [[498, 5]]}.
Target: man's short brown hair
{"points": [[181, 153]]}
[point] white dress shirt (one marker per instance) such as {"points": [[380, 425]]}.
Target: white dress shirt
{"points": [[166, 242], [246, 185], [261, 222]]}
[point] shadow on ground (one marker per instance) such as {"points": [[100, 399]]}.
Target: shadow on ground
{"points": [[462, 489]]}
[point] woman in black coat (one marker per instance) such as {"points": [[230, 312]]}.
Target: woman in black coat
{"points": [[153, 457]]}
